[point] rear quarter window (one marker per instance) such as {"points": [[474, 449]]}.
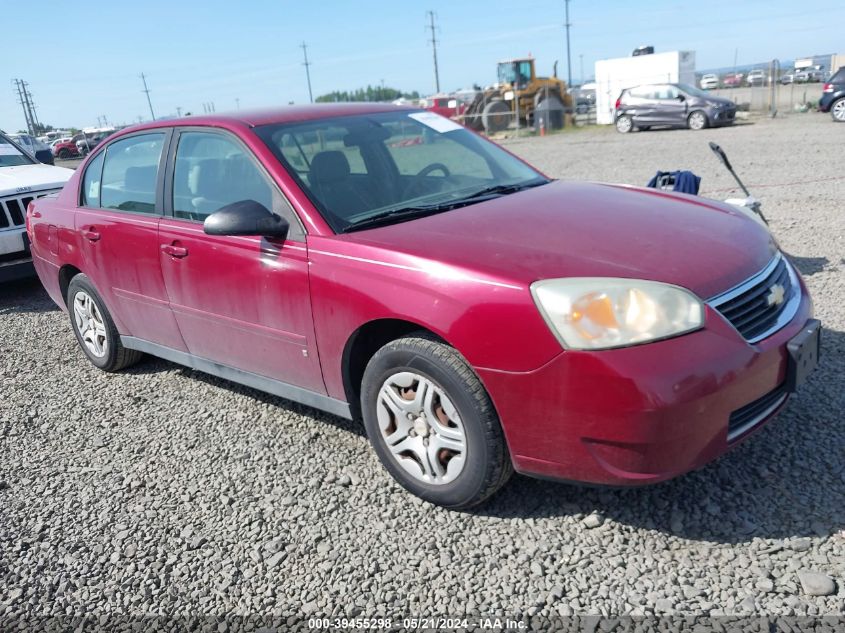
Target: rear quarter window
{"points": [[838, 77]]}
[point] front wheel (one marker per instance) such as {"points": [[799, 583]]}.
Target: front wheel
{"points": [[624, 124], [837, 110], [432, 424], [94, 328], [64, 154], [697, 120]]}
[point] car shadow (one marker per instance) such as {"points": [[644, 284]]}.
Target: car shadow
{"points": [[153, 365], [25, 296], [785, 481], [809, 265]]}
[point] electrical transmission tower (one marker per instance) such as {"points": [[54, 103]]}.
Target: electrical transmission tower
{"points": [[434, 48], [306, 63]]}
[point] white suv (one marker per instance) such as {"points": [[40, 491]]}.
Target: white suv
{"points": [[22, 179]]}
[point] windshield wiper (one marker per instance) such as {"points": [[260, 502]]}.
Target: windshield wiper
{"points": [[405, 213], [505, 189], [419, 211]]}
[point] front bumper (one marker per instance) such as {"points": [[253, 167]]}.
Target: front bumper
{"points": [[641, 414]]}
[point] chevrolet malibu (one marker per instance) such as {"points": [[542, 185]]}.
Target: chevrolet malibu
{"points": [[387, 264]]}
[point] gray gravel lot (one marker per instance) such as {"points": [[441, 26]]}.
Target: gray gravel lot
{"points": [[164, 491]]}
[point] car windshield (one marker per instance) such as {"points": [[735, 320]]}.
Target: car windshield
{"points": [[693, 91], [386, 167], [11, 155]]}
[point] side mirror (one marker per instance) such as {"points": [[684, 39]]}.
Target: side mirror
{"points": [[681, 98], [44, 156], [246, 217]]}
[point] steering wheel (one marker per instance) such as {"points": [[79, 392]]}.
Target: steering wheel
{"points": [[414, 185]]}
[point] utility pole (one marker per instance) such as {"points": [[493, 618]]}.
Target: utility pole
{"points": [[179, 111], [26, 113], [568, 56], [307, 64], [581, 57], [31, 105], [237, 103], [434, 49], [149, 102]]}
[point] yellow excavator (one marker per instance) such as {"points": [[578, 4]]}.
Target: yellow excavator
{"points": [[536, 101]]}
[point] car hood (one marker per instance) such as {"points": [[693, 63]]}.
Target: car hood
{"points": [[569, 229], [23, 178]]}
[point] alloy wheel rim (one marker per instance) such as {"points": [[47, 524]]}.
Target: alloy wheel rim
{"points": [[697, 121], [623, 124], [421, 428], [90, 325], [839, 110]]}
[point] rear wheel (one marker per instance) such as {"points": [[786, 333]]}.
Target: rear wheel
{"points": [[432, 423], [837, 110], [697, 120], [94, 328], [64, 153], [624, 124]]}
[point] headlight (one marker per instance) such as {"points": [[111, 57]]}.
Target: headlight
{"points": [[601, 313]]}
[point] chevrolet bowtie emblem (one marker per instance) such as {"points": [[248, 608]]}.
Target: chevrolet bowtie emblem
{"points": [[775, 296]]}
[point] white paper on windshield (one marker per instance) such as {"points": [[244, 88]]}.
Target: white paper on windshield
{"points": [[435, 121], [8, 150]]}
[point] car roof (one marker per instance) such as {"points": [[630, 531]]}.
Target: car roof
{"points": [[287, 114]]}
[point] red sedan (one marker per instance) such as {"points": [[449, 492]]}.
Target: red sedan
{"points": [[388, 264]]}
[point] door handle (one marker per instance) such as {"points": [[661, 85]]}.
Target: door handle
{"points": [[91, 235], [174, 251]]}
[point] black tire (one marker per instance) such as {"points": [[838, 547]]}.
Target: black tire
{"points": [[64, 153], [837, 110], [624, 124], [487, 465], [697, 120], [496, 116], [115, 356]]}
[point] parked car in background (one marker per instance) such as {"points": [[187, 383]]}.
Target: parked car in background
{"points": [[788, 77], [444, 105], [709, 81], [87, 144], [67, 149], [833, 96], [674, 105], [35, 148], [732, 80], [64, 139], [757, 77], [478, 316], [22, 180], [809, 75]]}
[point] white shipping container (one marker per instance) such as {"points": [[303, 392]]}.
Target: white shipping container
{"points": [[614, 75]]}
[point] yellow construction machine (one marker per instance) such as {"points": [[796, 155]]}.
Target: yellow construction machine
{"points": [[520, 95]]}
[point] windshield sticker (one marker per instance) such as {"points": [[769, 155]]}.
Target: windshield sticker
{"points": [[436, 122]]}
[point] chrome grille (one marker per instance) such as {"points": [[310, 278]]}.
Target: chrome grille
{"points": [[13, 208], [763, 304]]}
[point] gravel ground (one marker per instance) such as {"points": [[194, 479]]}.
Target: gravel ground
{"points": [[164, 491]]}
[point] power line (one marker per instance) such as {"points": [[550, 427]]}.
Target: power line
{"points": [[307, 64], [147, 91], [568, 55], [434, 49]]}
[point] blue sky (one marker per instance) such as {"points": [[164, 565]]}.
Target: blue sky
{"points": [[89, 57]]}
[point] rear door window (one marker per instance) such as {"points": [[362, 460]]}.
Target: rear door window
{"points": [[130, 173]]}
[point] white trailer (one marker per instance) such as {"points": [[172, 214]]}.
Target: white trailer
{"points": [[614, 75]]}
